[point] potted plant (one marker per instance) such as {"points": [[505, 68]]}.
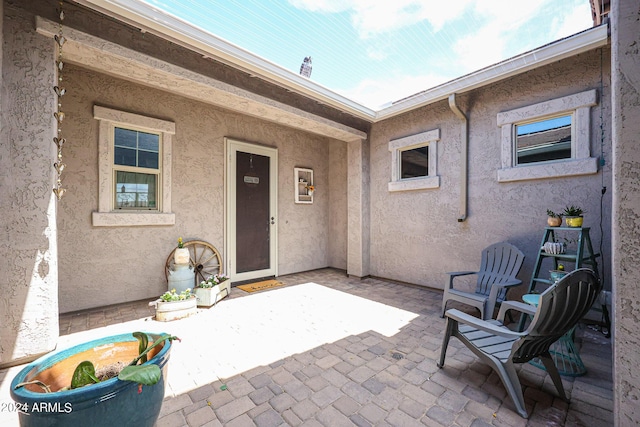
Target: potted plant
{"points": [[558, 274], [173, 306], [212, 290], [117, 380], [553, 219], [181, 255], [573, 216]]}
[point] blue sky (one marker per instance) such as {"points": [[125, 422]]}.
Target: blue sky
{"points": [[378, 51]]}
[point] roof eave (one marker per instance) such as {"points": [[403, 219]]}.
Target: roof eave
{"points": [[153, 20], [587, 40]]}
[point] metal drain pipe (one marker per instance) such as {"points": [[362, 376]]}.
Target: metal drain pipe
{"points": [[465, 158]]}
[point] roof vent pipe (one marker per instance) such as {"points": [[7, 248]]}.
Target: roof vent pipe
{"points": [[464, 157]]}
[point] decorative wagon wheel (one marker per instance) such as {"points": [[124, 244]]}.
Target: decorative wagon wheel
{"points": [[203, 257]]}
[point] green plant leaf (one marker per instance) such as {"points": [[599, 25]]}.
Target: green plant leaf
{"points": [[143, 342], [159, 341], [84, 374], [141, 374]]}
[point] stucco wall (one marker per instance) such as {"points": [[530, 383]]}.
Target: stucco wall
{"points": [[626, 208], [28, 248], [337, 205], [107, 265], [415, 235]]}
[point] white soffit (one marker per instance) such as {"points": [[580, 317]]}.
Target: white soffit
{"points": [[148, 18]]}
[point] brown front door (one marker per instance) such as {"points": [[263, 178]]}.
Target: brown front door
{"points": [[251, 224]]}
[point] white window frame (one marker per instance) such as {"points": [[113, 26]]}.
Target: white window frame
{"points": [[581, 163], [397, 146], [107, 215]]}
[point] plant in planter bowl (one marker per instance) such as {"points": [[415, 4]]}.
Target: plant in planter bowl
{"points": [[173, 306], [553, 219], [212, 290], [558, 274], [573, 216], [117, 380]]}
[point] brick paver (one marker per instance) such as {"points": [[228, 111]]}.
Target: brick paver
{"points": [[340, 367]]}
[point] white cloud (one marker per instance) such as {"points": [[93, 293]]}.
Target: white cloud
{"points": [[483, 47], [577, 20], [371, 17], [328, 6], [376, 53], [376, 92], [509, 28]]}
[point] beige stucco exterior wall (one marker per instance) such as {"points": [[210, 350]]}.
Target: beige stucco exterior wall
{"points": [[358, 204], [415, 235], [626, 210], [337, 238], [28, 247], [107, 265]]}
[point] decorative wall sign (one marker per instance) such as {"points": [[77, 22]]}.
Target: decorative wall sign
{"points": [[303, 185]]}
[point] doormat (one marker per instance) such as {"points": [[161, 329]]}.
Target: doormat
{"points": [[259, 286]]}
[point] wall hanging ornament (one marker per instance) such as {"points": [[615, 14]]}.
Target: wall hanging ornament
{"points": [[58, 165]]}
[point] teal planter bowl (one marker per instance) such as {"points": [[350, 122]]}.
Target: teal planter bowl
{"points": [[557, 275], [111, 403]]}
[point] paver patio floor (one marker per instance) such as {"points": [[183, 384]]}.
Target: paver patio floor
{"points": [[329, 350]]}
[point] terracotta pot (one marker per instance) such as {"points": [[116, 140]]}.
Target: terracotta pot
{"points": [[108, 403], [554, 221]]}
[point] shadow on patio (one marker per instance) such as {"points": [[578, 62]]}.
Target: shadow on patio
{"points": [[327, 350]]}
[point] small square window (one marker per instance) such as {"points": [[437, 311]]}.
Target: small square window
{"points": [[414, 163]]}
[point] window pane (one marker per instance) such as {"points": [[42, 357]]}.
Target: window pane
{"points": [[414, 163], [134, 148], [125, 156], [148, 141], [125, 138], [147, 159], [135, 190], [544, 140]]}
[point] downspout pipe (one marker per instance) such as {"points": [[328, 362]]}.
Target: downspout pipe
{"points": [[464, 166]]}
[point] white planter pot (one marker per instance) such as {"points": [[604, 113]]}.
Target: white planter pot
{"points": [[209, 296], [174, 310], [181, 256]]}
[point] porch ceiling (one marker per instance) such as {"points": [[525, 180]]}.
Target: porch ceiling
{"points": [[109, 58]]}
